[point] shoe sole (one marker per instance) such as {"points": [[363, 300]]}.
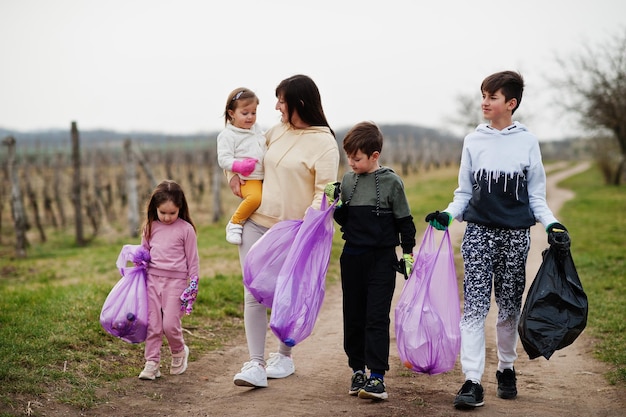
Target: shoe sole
{"points": [[462, 405], [354, 393], [506, 395], [150, 377], [271, 374], [279, 376], [372, 396], [240, 382]]}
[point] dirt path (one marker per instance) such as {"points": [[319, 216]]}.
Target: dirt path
{"points": [[570, 384]]}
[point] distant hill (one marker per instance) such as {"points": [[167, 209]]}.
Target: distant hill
{"points": [[60, 137], [89, 138], [396, 135]]}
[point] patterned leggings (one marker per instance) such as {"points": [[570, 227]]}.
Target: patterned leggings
{"points": [[492, 257]]}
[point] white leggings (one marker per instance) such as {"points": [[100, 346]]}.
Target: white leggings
{"points": [[255, 313]]}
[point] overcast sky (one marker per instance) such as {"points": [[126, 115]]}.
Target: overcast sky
{"points": [[168, 66]]}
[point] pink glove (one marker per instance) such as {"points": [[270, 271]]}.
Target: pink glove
{"points": [[244, 167], [188, 296]]}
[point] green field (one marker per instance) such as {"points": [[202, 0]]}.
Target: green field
{"points": [[52, 344]]}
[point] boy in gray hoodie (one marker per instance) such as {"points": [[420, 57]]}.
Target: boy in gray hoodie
{"points": [[375, 218]]}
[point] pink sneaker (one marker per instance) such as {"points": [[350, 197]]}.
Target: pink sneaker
{"points": [[179, 362], [150, 371]]}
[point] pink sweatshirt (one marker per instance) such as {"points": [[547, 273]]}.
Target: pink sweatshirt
{"points": [[173, 250]]}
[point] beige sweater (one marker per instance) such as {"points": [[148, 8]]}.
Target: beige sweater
{"points": [[298, 164]]}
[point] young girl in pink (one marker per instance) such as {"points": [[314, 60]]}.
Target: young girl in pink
{"points": [[172, 282]]}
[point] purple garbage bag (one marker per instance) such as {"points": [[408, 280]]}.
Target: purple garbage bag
{"points": [[266, 258], [300, 285], [125, 311], [428, 313]]}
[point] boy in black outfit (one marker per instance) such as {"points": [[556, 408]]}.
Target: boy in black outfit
{"points": [[375, 217]]}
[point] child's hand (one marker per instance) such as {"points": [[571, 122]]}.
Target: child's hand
{"points": [[333, 191], [408, 263], [188, 297], [439, 220], [245, 166], [557, 235]]}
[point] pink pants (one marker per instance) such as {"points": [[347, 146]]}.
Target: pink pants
{"points": [[164, 315]]}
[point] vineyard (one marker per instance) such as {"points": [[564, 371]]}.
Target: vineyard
{"points": [[98, 185]]}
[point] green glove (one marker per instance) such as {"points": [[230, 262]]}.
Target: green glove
{"points": [[439, 220], [333, 191], [408, 263]]}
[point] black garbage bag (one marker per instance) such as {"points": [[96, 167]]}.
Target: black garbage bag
{"points": [[555, 310]]}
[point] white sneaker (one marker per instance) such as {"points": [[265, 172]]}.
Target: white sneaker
{"points": [[279, 366], [233, 233], [150, 371], [252, 375], [179, 362]]}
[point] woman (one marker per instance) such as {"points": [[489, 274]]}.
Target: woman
{"points": [[302, 157]]}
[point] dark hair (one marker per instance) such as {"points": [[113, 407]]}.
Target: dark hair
{"points": [[167, 190], [238, 96], [365, 137], [511, 83], [302, 95]]}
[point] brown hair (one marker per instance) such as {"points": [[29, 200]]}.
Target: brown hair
{"points": [[365, 137], [302, 95], [167, 190], [236, 97], [510, 82]]}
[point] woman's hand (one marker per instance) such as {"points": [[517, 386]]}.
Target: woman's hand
{"points": [[235, 185]]}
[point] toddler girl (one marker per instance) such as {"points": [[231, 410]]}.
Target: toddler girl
{"points": [[240, 149]]}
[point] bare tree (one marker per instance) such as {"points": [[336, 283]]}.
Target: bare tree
{"points": [[469, 114], [17, 205], [57, 186], [34, 205], [595, 79], [131, 190], [144, 165], [76, 187], [217, 176]]}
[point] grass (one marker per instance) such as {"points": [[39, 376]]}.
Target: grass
{"points": [[596, 219], [52, 344]]}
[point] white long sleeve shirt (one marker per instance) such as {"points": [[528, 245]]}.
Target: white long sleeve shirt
{"points": [[234, 143]]}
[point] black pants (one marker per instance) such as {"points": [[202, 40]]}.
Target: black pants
{"points": [[368, 281]]}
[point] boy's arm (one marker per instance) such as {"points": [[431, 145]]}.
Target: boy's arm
{"points": [[463, 192], [341, 214], [536, 182], [404, 219], [406, 227]]}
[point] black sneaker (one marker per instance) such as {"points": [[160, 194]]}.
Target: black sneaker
{"points": [[469, 396], [506, 384], [374, 389], [357, 383]]}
